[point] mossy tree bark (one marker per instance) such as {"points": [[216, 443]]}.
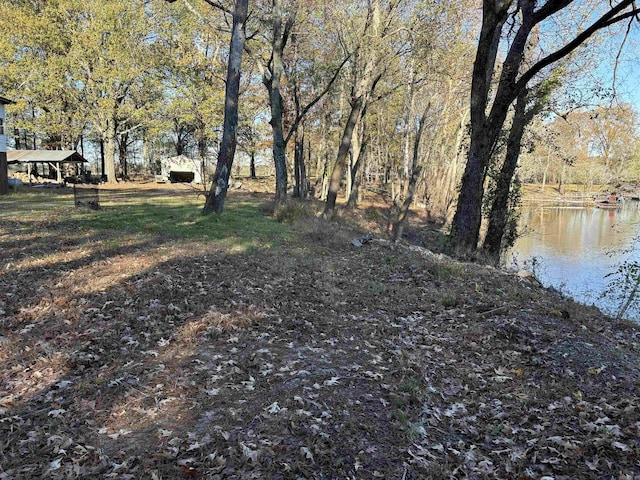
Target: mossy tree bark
{"points": [[500, 211], [530, 102]]}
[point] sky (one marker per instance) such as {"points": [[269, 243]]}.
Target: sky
{"points": [[600, 62], [626, 77], [629, 87]]}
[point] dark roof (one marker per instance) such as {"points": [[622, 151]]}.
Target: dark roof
{"points": [[36, 156], [5, 101]]}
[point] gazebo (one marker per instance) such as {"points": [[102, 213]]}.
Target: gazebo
{"points": [[56, 160]]}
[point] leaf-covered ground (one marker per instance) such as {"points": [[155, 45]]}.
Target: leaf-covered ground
{"points": [[128, 356]]}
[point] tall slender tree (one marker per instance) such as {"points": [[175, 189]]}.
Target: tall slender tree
{"points": [[220, 184], [282, 23]]}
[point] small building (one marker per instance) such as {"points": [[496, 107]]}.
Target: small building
{"points": [[58, 165], [4, 174], [181, 169]]}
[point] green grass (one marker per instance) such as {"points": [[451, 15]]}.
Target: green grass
{"points": [[183, 220], [243, 222]]}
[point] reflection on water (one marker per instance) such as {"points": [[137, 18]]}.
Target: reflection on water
{"points": [[573, 249]]}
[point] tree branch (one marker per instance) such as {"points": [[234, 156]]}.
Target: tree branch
{"points": [[124, 132], [611, 17], [622, 44], [217, 5], [318, 97]]}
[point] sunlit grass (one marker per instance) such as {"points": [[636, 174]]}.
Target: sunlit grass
{"points": [[243, 222]]}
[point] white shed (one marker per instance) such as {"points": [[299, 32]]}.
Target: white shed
{"points": [[181, 169]]}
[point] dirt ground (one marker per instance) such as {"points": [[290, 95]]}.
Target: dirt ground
{"points": [[129, 356]]}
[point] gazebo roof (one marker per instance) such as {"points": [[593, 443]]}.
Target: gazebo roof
{"points": [[37, 156]]}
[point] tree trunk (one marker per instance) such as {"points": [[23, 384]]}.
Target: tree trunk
{"points": [[103, 174], [450, 176], [490, 104], [321, 163], [300, 170], [272, 81], [308, 164], [485, 129], [16, 138], [561, 180], [500, 208], [362, 90], [354, 153], [465, 228], [146, 154], [110, 143], [356, 182], [252, 165], [350, 168], [298, 150], [4, 174], [220, 184], [409, 106], [343, 152], [179, 143], [203, 144], [123, 156], [324, 184], [279, 147], [416, 168], [303, 189], [356, 171], [403, 211]]}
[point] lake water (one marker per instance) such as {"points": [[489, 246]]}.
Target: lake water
{"points": [[573, 249]]}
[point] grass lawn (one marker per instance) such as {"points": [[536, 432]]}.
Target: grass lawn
{"points": [[168, 212]]}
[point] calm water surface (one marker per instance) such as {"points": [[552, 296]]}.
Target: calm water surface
{"points": [[574, 249]]}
